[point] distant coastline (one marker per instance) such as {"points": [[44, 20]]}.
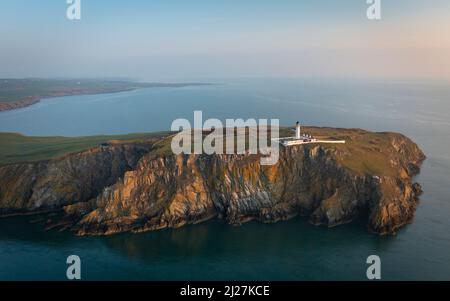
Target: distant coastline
{"points": [[21, 93]]}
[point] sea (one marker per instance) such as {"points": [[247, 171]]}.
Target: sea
{"points": [[291, 250]]}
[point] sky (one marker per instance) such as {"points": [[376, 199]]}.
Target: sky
{"points": [[206, 39]]}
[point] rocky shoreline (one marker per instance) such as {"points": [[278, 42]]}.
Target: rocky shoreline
{"points": [[73, 91], [6, 106], [31, 100], [133, 187]]}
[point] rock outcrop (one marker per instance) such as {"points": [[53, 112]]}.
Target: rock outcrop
{"points": [[49, 185], [132, 188]]}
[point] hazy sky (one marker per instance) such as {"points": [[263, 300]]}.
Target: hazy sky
{"points": [[194, 39]]}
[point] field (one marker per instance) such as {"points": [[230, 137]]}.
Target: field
{"points": [[16, 148], [19, 93], [12, 90], [364, 152]]}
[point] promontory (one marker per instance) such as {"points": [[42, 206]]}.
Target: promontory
{"points": [[107, 185]]}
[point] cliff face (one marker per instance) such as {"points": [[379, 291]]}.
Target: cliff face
{"points": [[131, 191], [50, 185]]}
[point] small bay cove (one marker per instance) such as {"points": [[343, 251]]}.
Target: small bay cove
{"points": [[292, 250]]}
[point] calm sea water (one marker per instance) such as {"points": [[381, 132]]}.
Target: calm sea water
{"points": [[292, 250]]}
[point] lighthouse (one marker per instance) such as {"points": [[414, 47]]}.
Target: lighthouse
{"points": [[298, 139], [297, 130]]}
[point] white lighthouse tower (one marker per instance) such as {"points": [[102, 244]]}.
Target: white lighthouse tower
{"points": [[305, 139], [297, 130]]}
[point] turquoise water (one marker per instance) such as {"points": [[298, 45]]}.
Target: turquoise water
{"points": [[292, 250]]}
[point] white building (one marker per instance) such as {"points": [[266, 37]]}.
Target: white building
{"points": [[305, 139]]}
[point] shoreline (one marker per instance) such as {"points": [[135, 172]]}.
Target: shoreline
{"points": [[32, 100], [14, 105], [375, 168]]}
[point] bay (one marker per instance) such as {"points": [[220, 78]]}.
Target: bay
{"points": [[292, 250]]}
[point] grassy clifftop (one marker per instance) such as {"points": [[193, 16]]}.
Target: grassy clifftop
{"points": [[16, 148], [135, 183], [364, 152]]}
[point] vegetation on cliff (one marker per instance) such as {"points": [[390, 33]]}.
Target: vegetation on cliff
{"points": [[17, 148], [139, 185]]}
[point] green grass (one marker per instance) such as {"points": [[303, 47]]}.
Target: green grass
{"points": [[15, 148], [364, 152], [13, 90]]}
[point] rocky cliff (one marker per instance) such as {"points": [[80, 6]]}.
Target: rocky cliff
{"points": [[136, 188], [49, 185]]}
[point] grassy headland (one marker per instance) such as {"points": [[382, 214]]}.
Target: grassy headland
{"points": [[364, 152], [15, 148], [18, 93]]}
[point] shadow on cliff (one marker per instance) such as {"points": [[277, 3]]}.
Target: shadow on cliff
{"points": [[219, 241], [213, 240]]}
